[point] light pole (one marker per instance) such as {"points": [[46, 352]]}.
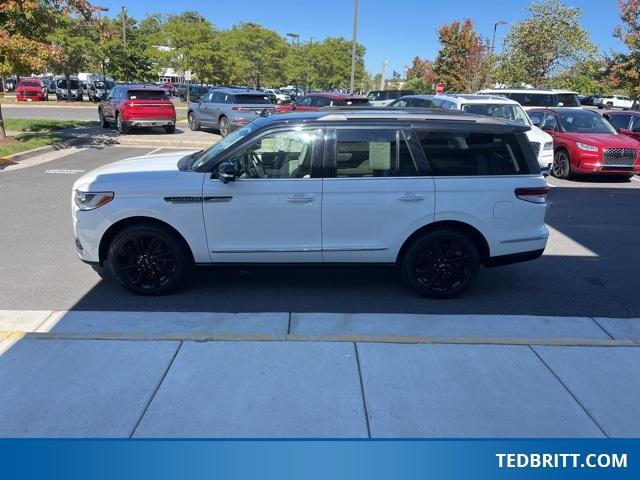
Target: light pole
{"points": [[353, 46], [493, 39], [295, 38]]}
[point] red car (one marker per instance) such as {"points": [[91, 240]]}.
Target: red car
{"points": [[31, 89], [625, 122], [315, 101], [129, 106], [584, 142]]}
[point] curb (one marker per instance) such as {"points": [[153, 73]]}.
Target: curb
{"points": [[162, 143], [16, 157]]}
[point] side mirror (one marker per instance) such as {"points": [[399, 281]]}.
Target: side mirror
{"points": [[227, 172]]}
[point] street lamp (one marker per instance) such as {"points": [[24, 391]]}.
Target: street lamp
{"points": [[493, 39], [353, 46], [295, 37]]}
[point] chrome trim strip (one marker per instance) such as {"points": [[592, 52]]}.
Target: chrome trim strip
{"points": [[354, 249], [521, 240], [273, 250]]}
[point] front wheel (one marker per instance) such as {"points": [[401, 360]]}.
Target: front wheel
{"points": [[223, 124], [103, 121], [148, 260], [561, 165], [193, 122], [441, 264]]}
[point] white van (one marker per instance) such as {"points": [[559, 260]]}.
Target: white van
{"points": [[531, 98], [501, 107]]}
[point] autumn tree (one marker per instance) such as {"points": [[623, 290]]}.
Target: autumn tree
{"points": [[624, 68], [461, 62], [421, 76], [549, 41], [25, 28]]}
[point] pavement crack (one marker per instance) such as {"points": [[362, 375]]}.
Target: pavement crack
{"points": [[155, 391], [364, 398], [577, 400]]}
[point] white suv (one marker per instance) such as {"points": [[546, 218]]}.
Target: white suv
{"points": [[437, 194], [501, 107], [615, 101], [531, 98]]}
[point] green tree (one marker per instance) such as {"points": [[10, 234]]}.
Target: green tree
{"points": [[421, 76], [461, 64], [129, 60], [331, 62], [588, 77], [624, 67], [24, 31], [549, 41]]}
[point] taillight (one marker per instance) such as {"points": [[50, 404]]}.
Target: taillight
{"points": [[533, 194], [241, 109]]}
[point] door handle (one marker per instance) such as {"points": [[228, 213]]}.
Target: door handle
{"points": [[300, 198], [411, 197]]}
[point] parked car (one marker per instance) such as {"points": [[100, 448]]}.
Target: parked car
{"points": [[31, 89], [316, 101], [169, 88], [98, 90], [590, 101], [530, 98], [72, 92], [382, 98], [195, 92], [625, 122], [438, 194], [132, 106], [414, 101], [51, 86], [502, 107], [228, 109], [585, 142], [281, 97], [269, 94], [615, 101]]}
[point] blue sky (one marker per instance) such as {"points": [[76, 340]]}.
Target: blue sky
{"points": [[395, 30]]}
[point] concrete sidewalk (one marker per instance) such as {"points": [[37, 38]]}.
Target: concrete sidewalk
{"points": [[207, 374]]}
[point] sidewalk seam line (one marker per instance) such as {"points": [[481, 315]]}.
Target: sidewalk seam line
{"points": [[602, 328], [155, 391], [364, 398], [575, 398]]}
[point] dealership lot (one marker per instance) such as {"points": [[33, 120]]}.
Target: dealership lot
{"points": [[544, 348]]}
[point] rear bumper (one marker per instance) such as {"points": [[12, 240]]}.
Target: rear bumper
{"points": [[513, 258], [149, 122]]}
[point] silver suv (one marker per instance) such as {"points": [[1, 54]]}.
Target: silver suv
{"points": [[228, 108]]}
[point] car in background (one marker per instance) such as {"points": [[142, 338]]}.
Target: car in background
{"points": [[228, 109], [133, 106], [531, 98], [625, 122], [316, 101], [71, 92], [615, 101], [501, 107], [169, 88], [281, 97], [195, 92], [590, 100], [438, 194], [98, 89], [382, 98], [414, 101], [273, 98], [586, 143], [30, 90]]}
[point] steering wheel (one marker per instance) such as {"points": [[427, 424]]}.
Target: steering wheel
{"points": [[256, 170]]}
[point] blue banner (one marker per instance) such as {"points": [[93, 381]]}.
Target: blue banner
{"points": [[317, 459]]}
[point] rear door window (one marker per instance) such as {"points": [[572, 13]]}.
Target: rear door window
{"points": [[321, 102], [454, 154]]}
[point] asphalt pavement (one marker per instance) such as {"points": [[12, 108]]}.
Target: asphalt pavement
{"points": [[85, 111], [590, 267]]}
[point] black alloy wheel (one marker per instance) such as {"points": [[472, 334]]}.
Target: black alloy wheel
{"points": [[441, 264], [148, 260]]}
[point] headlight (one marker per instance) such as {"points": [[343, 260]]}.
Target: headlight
{"points": [[584, 146], [92, 200], [548, 146]]}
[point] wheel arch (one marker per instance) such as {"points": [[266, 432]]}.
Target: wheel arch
{"points": [[470, 231], [117, 227]]}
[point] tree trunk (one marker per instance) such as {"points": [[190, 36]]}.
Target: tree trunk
{"points": [[3, 134], [67, 77]]}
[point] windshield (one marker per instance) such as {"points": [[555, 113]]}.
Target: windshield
{"points": [[205, 156], [29, 84], [513, 113], [376, 95], [146, 94], [74, 84], [252, 100], [585, 122], [568, 100]]}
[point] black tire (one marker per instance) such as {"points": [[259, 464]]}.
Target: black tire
{"points": [[103, 121], [561, 167], [223, 126], [193, 122], [122, 128], [148, 260], [169, 128], [441, 264], [609, 105]]}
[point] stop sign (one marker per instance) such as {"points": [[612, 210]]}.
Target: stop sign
{"points": [[439, 88]]}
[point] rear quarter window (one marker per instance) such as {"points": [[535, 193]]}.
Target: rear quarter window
{"points": [[454, 154]]}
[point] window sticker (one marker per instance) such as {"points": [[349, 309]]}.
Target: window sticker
{"points": [[380, 155]]}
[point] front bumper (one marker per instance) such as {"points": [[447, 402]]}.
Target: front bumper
{"points": [[593, 163]]}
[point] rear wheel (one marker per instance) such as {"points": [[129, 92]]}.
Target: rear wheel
{"points": [[561, 165], [122, 128], [148, 260], [441, 264], [223, 124], [169, 128], [193, 122]]}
